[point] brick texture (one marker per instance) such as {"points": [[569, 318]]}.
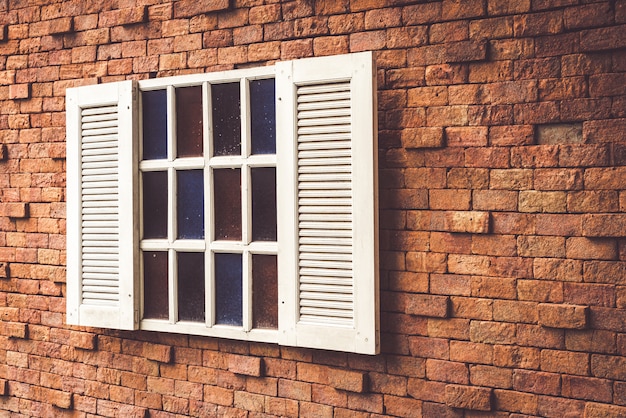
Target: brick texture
{"points": [[502, 165]]}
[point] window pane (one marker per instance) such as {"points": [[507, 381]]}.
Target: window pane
{"points": [[227, 203], [155, 285], [264, 204], [190, 204], [264, 291], [263, 116], [154, 124], [189, 121], [191, 287], [228, 289], [226, 119], [155, 204]]}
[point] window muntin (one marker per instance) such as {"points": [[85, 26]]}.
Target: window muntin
{"points": [[209, 205]]}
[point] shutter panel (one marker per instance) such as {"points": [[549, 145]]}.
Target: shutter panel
{"points": [[101, 206], [327, 200]]}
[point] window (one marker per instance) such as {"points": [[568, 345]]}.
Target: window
{"points": [[239, 204]]}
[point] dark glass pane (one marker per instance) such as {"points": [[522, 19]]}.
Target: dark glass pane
{"points": [[154, 105], [155, 204], [190, 204], [264, 291], [263, 116], [227, 203], [156, 305], [226, 119], [191, 287], [264, 204], [228, 289], [189, 121]]}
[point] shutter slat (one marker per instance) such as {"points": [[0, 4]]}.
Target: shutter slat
{"points": [[325, 187], [100, 193]]}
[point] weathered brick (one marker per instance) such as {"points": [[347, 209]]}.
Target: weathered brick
{"points": [[447, 371], [460, 221], [352, 381], [588, 248], [14, 210], [541, 246], [604, 225], [492, 332], [245, 365], [188, 8], [125, 16], [490, 376], [537, 382], [158, 352], [542, 201], [428, 305], [468, 397], [602, 38], [565, 362], [597, 410], [515, 311], [432, 137]]}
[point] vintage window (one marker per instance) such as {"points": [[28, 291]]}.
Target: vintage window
{"points": [[239, 204]]}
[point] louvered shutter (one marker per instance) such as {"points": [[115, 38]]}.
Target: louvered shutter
{"points": [[327, 203], [101, 206]]}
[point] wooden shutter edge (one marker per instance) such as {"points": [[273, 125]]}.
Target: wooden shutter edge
{"points": [[126, 316], [365, 336]]}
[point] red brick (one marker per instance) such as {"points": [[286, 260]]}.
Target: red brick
{"points": [[537, 382], [599, 341], [492, 332], [427, 390], [428, 305], [455, 9], [352, 381], [400, 406], [494, 200], [610, 367], [428, 347], [493, 287], [455, 328], [565, 362], [538, 24], [244, 365], [596, 410], [447, 371], [468, 397], [450, 284], [364, 41], [460, 221], [471, 308], [125, 16], [602, 38], [329, 396], [491, 376], [158, 352], [188, 8], [589, 294], [423, 138], [469, 352], [452, 52], [425, 262]]}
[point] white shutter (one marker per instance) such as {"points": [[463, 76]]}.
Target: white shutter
{"points": [[101, 206], [327, 203]]}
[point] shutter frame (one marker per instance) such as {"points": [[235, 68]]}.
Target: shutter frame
{"points": [[121, 311], [360, 335]]}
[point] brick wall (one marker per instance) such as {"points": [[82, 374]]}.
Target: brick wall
{"points": [[502, 194]]}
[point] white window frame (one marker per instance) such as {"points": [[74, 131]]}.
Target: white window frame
{"points": [[208, 163], [360, 333]]}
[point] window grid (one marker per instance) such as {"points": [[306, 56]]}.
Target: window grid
{"points": [[210, 246]]}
